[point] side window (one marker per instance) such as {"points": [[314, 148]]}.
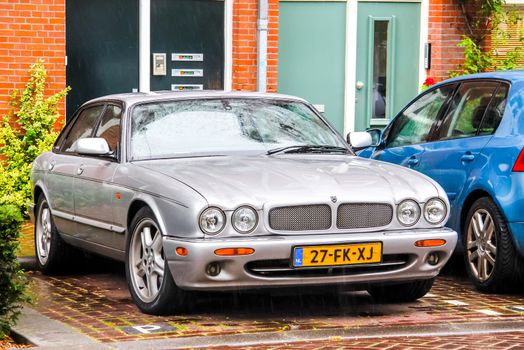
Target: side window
{"points": [[495, 111], [83, 126], [466, 110], [109, 127], [415, 123]]}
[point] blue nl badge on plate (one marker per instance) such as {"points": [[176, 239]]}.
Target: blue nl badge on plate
{"points": [[298, 261]]}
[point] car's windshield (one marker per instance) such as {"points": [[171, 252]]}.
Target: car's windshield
{"points": [[173, 128]]}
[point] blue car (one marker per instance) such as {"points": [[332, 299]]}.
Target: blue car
{"points": [[467, 133]]}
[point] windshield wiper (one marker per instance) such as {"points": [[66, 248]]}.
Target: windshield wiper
{"points": [[309, 149]]}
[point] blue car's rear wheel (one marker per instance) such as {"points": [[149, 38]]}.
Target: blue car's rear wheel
{"points": [[491, 259]]}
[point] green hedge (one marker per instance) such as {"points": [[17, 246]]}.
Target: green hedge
{"points": [[13, 284], [27, 131]]}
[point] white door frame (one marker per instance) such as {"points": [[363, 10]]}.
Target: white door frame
{"points": [[351, 54], [144, 41], [144, 44]]}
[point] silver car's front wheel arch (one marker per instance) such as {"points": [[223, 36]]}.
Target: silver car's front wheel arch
{"points": [[148, 276]]}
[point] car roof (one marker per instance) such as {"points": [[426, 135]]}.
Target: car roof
{"points": [[137, 97], [512, 76]]}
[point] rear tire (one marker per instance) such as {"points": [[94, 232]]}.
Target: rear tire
{"points": [[147, 272], [53, 254], [402, 292], [492, 261]]}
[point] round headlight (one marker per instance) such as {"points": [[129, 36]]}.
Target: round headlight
{"points": [[435, 211], [408, 212], [244, 219], [212, 221]]}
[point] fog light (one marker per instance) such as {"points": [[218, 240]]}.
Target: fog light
{"points": [[213, 269], [433, 259]]}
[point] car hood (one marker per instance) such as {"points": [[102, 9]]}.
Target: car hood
{"points": [[230, 181]]}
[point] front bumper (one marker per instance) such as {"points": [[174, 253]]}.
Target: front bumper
{"points": [[269, 266]]}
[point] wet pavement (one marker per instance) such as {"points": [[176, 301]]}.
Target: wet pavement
{"points": [[97, 303], [94, 301]]}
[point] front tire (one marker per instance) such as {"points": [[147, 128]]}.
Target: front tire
{"points": [[492, 261], [148, 277], [402, 292], [53, 255]]}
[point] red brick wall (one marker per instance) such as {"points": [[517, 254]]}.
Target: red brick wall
{"points": [[29, 30], [245, 14], [446, 27], [33, 29]]}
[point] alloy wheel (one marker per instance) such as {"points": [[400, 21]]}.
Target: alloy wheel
{"points": [[481, 245], [147, 261], [43, 233]]}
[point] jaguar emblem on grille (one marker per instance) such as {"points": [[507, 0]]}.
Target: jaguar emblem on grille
{"points": [[334, 199]]}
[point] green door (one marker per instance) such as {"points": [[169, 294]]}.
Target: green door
{"points": [[388, 38], [102, 49], [311, 54], [188, 27]]}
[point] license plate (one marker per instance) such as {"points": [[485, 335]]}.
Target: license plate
{"points": [[333, 255]]}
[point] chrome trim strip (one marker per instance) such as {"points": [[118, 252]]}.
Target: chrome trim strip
{"points": [[87, 221], [282, 269]]}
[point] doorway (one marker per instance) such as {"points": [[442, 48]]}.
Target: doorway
{"points": [[387, 69]]}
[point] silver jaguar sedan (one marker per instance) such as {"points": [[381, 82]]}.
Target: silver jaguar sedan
{"points": [[224, 191]]}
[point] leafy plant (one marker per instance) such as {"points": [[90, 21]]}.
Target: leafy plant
{"points": [[30, 129], [13, 284], [427, 83], [486, 24]]}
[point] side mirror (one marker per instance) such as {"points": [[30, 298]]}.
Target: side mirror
{"points": [[376, 136], [94, 146], [359, 140]]}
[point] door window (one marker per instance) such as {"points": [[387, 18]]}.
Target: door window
{"points": [[83, 126], [494, 112], [380, 69], [109, 128], [414, 124], [466, 111]]}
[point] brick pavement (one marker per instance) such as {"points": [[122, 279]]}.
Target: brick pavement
{"points": [[96, 302], [99, 305]]}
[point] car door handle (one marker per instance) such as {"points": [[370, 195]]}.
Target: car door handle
{"points": [[51, 165], [79, 171], [413, 161], [468, 157]]}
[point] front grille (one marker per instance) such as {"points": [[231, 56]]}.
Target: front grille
{"points": [[363, 215], [300, 218], [282, 268]]}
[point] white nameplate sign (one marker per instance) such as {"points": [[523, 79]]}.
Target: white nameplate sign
{"points": [[187, 87], [196, 57], [187, 72]]}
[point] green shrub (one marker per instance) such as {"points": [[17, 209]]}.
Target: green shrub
{"points": [[13, 283], [27, 131], [486, 24]]}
